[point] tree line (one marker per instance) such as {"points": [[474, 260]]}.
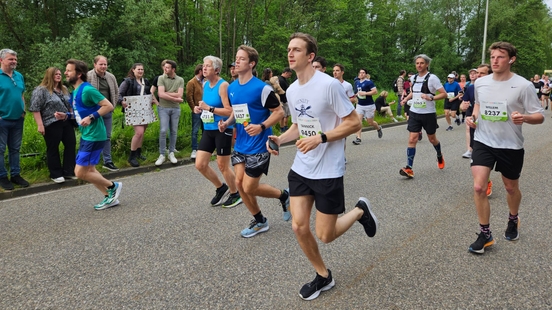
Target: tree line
{"points": [[382, 36]]}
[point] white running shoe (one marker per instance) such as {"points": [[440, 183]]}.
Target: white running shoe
{"points": [[172, 159], [194, 153], [467, 154], [160, 160]]}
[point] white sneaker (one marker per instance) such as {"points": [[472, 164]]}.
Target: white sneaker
{"points": [[160, 160], [467, 154], [59, 180], [194, 153], [395, 120], [172, 158]]}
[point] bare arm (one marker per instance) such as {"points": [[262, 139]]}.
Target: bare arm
{"points": [[38, 120]]}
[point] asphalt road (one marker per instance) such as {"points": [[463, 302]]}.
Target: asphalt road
{"points": [[164, 247]]}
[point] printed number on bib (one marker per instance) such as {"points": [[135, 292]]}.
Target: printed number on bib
{"points": [[418, 103], [308, 127], [494, 111], [241, 114], [207, 117], [450, 95]]}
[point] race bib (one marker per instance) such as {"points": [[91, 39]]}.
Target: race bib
{"points": [[308, 127], [494, 111], [358, 94], [418, 103], [450, 95], [241, 114], [207, 117], [538, 90]]}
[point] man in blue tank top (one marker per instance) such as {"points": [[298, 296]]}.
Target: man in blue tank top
{"points": [[255, 110]]}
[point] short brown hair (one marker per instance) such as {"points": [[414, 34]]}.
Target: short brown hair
{"points": [[252, 54], [489, 68], [97, 58], [505, 46], [312, 45], [198, 68], [80, 67]]}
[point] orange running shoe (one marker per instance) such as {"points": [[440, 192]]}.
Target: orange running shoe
{"points": [[441, 162], [407, 172], [489, 188]]}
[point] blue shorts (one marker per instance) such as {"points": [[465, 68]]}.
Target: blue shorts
{"points": [[89, 153]]}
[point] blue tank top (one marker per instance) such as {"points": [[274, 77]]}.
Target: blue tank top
{"points": [[212, 98]]}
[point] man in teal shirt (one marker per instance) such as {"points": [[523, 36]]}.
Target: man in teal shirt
{"points": [[12, 116], [89, 105]]}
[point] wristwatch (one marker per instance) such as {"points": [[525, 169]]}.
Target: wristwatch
{"points": [[263, 127], [91, 116], [323, 137]]}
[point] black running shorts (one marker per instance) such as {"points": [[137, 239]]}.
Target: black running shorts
{"points": [[506, 161], [329, 194], [214, 139], [426, 121]]}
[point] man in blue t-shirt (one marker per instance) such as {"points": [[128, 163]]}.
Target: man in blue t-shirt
{"points": [[255, 110], [452, 101], [89, 105], [12, 116], [366, 106]]}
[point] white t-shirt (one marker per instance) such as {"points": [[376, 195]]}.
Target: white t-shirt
{"points": [[322, 102], [348, 89], [497, 100], [420, 105]]}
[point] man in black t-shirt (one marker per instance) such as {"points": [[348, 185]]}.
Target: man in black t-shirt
{"points": [[283, 80]]}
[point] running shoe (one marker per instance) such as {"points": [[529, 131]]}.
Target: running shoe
{"points": [[407, 172], [254, 228], [441, 162], [380, 133], [219, 195], [511, 233], [489, 188], [232, 201], [481, 243], [368, 219], [357, 141], [113, 193], [420, 136], [312, 290], [285, 207], [467, 154], [110, 166], [103, 205], [449, 128], [458, 122]]}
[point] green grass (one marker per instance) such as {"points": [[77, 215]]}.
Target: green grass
{"points": [[33, 148]]}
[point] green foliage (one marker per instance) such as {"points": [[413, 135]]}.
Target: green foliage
{"points": [[381, 35]]}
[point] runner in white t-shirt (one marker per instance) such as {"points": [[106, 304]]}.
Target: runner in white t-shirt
{"points": [[322, 117], [503, 102], [422, 113]]}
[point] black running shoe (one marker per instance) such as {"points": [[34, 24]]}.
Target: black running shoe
{"points": [[420, 136], [380, 133], [219, 195], [511, 232], [368, 219], [481, 243], [311, 290]]}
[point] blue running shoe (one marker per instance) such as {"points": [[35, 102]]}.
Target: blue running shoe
{"points": [[285, 206], [254, 228]]}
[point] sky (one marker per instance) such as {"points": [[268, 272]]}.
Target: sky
{"points": [[549, 3]]}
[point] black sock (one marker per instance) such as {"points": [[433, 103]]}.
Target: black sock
{"points": [[438, 149], [284, 196], [112, 186], [259, 217], [513, 218], [485, 229]]}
